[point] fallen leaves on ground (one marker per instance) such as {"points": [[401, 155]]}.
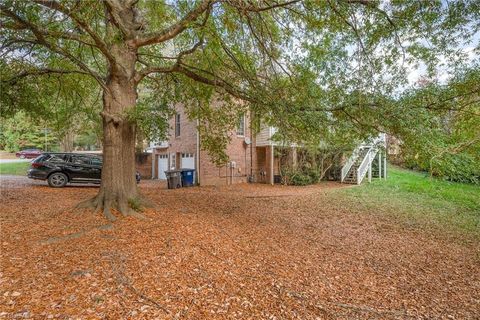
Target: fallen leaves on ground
{"points": [[237, 252]]}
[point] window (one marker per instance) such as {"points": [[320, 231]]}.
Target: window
{"points": [[177, 125], [173, 163], [97, 161], [56, 158], [241, 126], [81, 160]]}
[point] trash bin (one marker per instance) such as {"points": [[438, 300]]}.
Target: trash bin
{"points": [[174, 178], [188, 177]]}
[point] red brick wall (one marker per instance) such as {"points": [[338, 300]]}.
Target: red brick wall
{"points": [[245, 156], [184, 143], [239, 152], [143, 164]]}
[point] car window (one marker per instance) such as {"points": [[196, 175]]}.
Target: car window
{"points": [[57, 158], [83, 160], [41, 158], [96, 161]]}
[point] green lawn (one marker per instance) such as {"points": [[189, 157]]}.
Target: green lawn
{"points": [[418, 199], [17, 168]]}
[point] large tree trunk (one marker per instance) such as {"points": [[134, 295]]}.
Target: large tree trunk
{"points": [[66, 142], [118, 189]]}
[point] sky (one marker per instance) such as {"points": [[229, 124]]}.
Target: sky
{"points": [[471, 51]]}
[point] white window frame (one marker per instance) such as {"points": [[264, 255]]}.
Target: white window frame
{"points": [[242, 121], [177, 125]]}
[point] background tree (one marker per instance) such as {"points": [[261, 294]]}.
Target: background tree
{"points": [[445, 136], [21, 131], [295, 63], [64, 104]]}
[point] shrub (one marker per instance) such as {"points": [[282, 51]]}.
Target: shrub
{"points": [[299, 179], [458, 168], [301, 176]]}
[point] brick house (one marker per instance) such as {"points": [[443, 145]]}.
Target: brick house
{"points": [[251, 155]]}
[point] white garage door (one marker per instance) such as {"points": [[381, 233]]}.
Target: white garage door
{"points": [[162, 166], [188, 161]]}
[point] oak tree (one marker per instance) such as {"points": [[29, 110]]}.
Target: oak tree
{"points": [[299, 65]]}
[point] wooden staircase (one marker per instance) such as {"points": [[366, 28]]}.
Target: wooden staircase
{"points": [[361, 162], [352, 173]]}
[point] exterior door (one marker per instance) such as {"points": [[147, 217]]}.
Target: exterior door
{"points": [[188, 161], [162, 166]]}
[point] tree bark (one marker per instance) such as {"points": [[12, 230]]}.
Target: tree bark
{"points": [[66, 141], [118, 189]]}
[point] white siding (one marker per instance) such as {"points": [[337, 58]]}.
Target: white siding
{"points": [[263, 137]]}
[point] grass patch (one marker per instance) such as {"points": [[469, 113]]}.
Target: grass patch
{"points": [[14, 168], [418, 198], [135, 204]]}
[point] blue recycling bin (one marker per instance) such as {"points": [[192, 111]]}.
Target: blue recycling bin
{"points": [[188, 176]]}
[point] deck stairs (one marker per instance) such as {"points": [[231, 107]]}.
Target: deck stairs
{"points": [[359, 165]]}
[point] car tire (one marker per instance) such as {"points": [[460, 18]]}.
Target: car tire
{"points": [[22, 156], [57, 180]]}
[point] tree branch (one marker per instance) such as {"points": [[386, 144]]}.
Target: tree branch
{"points": [[123, 15], [41, 40], [52, 4], [244, 6], [148, 70], [372, 5], [176, 28], [66, 35], [39, 72], [216, 82]]}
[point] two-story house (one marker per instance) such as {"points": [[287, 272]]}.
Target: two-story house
{"points": [[251, 155]]}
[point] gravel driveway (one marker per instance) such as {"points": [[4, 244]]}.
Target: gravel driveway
{"points": [[11, 182]]}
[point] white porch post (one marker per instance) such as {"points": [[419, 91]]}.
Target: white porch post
{"points": [[370, 172], [385, 166], [154, 155], [380, 164]]}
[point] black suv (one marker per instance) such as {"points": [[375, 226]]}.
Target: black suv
{"points": [[62, 168]]}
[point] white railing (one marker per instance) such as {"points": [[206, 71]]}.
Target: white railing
{"points": [[349, 163], [365, 166], [379, 140], [159, 144]]}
